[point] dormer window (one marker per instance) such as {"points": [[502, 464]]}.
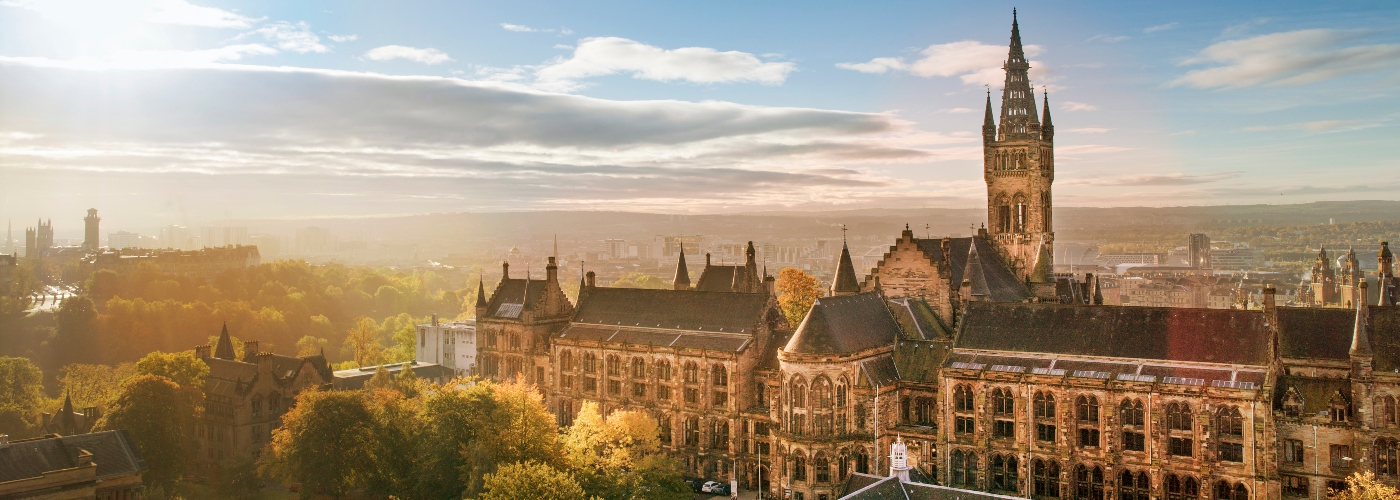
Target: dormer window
{"points": [[1339, 408]]}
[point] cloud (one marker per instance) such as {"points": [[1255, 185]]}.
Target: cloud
{"points": [[184, 13], [1317, 126], [343, 38], [1160, 27], [1077, 106], [1174, 179], [389, 139], [1106, 38], [957, 110], [520, 28], [1089, 149], [1288, 58], [1182, 133], [1088, 130], [609, 55], [391, 52], [975, 63], [291, 37], [1238, 30]]}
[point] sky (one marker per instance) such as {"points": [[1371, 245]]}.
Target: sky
{"points": [[187, 111]]}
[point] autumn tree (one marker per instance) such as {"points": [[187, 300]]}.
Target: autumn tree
{"points": [[518, 428], [77, 331], [641, 280], [619, 456], [93, 385], [797, 291], [1364, 486], [362, 342], [325, 443], [21, 395], [160, 416], [531, 481], [183, 368], [309, 345]]}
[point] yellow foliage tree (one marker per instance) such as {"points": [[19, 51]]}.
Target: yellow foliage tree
{"points": [[797, 291], [1364, 486]]}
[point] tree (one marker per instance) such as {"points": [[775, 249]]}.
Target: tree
{"points": [[77, 330], [362, 342], [518, 428], [381, 379], [797, 291], [641, 280], [183, 368], [310, 345], [21, 383], [1364, 486], [237, 480], [93, 385], [325, 443], [395, 447], [619, 457], [159, 414], [531, 481]]}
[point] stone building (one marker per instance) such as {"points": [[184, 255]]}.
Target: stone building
{"points": [[244, 399], [726, 278], [101, 465], [514, 326], [38, 240], [206, 264]]}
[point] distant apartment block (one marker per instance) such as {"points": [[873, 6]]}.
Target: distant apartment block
{"points": [[123, 239]]}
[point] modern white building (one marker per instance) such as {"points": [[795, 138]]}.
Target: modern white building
{"points": [[450, 344], [123, 239]]}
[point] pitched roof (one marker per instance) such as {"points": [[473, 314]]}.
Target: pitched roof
{"points": [[1161, 333], [1001, 284], [845, 324], [724, 312], [682, 274], [920, 361], [658, 337], [224, 350], [720, 278], [113, 452], [1326, 333], [919, 319], [514, 296], [1317, 393]]}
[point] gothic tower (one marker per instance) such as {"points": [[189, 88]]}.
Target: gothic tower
{"points": [[90, 236], [1019, 167]]}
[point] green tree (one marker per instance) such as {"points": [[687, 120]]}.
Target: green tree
{"points": [[93, 385], [325, 443], [395, 447], [183, 368], [21, 383], [518, 428], [238, 480], [362, 342], [310, 345], [641, 280], [797, 291], [77, 330], [159, 414], [531, 481]]}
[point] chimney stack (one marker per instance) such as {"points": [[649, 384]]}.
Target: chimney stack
{"points": [[201, 351], [505, 270], [250, 349], [551, 271], [435, 319], [1269, 299], [592, 279]]}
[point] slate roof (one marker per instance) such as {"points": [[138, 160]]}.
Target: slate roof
{"points": [[1153, 333], [1316, 392], [1001, 284], [716, 278], [113, 451], [918, 319], [846, 281], [879, 371], [513, 296], [355, 378], [658, 337], [721, 312], [920, 361], [845, 324], [226, 374], [1325, 333]]}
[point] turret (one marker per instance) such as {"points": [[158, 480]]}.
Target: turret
{"points": [[989, 124], [845, 282], [682, 280], [1360, 352], [224, 348], [1047, 129]]}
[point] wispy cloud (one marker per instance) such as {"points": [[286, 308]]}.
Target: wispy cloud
{"points": [[1241, 29], [1077, 106], [610, 55], [1289, 58], [1089, 149], [185, 13], [1173, 179], [343, 38], [975, 63], [296, 37], [1160, 27], [1088, 130], [957, 110], [1107, 38], [1317, 126], [422, 55], [520, 28], [1182, 133]]}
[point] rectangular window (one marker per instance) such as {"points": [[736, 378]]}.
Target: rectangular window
{"points": [[590, 384], [1134, 441], [614, 387], [1296, 486], [1292, 451], [962, 425], [663, 393], [1089, 438], [1004, 429], [692, 395], [1045, 432], [639, 390], [1341, 456], [1232, 452], [1180, 447], [721, 399], [567, 381]]}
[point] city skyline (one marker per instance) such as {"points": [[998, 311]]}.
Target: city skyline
{"points": [[174, 112]]}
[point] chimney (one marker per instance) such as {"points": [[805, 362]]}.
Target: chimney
{"points": [[435, 319], [707, 259], [592, 279], [1362, 293], [4, 439], [201, 351], [1269, 303], [966, 292], [551, 271], [768, 285], [250, 349], [505, 270]]}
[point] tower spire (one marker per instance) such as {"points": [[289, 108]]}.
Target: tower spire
{"points": [[682, 279], [1047, 129], [989, 123], [1017, 103]]}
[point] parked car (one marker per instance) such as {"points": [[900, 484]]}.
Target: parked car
{"points": [[696, 484], [715, 488]]}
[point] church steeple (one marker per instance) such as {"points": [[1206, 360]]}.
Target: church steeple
{"points": [[682, 280]]}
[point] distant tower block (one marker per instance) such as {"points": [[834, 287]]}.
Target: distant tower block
{"points": [[90, 238], [1198, 251]]}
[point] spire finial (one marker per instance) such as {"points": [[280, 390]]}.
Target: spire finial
{"points": [[843, 234]]}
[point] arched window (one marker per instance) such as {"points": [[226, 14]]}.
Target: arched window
{"points": [[1226, 491], [590, 362], [719, 376], [691, 372], [862, 461], [692, 431], [962, 398], [823, 467], [841, 394], [1002, 402], [1022, 214], [1088, 481], [1130, 415], [1003, 214], [1179, 416], [663, 370], [797, 395], [1181, 488], [1133, 486], [719, 435], [274, 403], [1386, 463], [821, 394], [1087, 409], [1130, 412], [639, 368], [1388, 411], [1047, 478], [1005, 475], [799, 467], [663, 427], [1044, 404], [964, 469], [1230, 428], [614, 365], [566, 360]]}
